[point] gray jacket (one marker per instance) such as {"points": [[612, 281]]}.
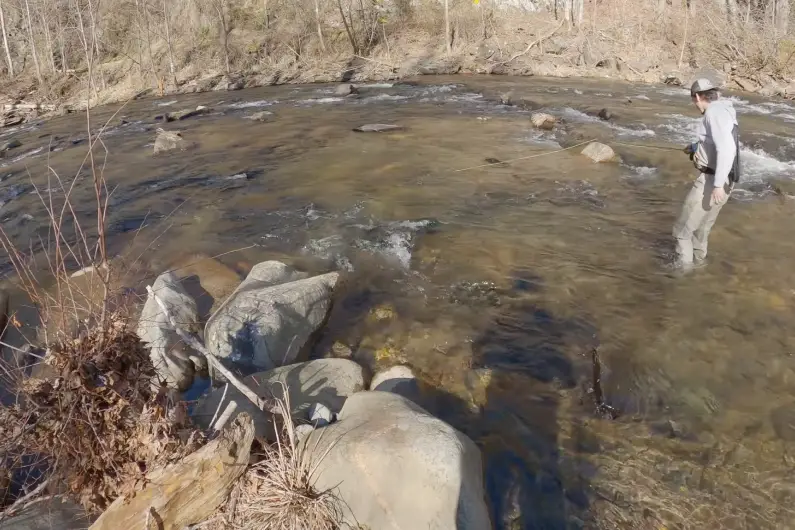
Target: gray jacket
{"points": [[716, 147]]}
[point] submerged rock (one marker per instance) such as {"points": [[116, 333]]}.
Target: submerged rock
{"points": [[599, 152], [395, 466], [541, 120], [186, 113], [328, 382], [169, 141], [10, 144], [605, 115], [263, 116], [171, 357], [378, 127], [269, 318]]}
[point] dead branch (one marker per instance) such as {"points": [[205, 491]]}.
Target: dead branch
{"points": [[533, 44], [213, 361]]}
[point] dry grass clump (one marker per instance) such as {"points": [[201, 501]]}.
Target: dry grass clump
{"points": [[277, 492], [99, 420]]}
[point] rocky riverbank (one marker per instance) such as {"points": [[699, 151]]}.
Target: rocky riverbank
{"points": [[387, 462]]}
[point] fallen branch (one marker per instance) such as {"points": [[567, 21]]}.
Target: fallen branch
{"points": [[213, 361], [24, 501], [533, 44]]}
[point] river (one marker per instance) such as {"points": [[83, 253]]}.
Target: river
{"points": [[499, 280]]}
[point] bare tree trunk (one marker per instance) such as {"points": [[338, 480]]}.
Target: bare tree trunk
{"points": [[61, 41], [220, 6], [577, 12], [168, 43], [95, 41], [319, 28], [567, 12], [33, 43], [47, 37], [348, 29], [5, 41], [781, 10], [447, 42]]}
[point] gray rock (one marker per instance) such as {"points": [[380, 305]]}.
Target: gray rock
{"points": [[171, 356], [186, 113], [394, 466], [327, 382], [377, 127], [599, 152], [227, 83], [271, 315], [397, 380], [49, 515], [10, 144], [302, 431], [439, 66], [345, 89], [320, 415], [542, 120], [746, 84], [263, 116], [605, 115], [169, 141]]}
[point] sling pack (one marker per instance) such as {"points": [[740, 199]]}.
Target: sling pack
{"points": [[734, 174]]}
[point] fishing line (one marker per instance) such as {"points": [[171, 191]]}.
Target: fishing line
{"points": [[545, 153]]}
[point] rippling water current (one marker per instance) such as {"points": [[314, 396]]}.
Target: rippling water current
{"points": [[496, 282]]}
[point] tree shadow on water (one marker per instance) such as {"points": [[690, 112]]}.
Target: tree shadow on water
{"points": [[522, 369]]}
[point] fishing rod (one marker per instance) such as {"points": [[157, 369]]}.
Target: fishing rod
{"points": [[555, 151]]}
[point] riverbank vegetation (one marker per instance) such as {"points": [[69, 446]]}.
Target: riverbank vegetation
{"points": [[105, 50]]}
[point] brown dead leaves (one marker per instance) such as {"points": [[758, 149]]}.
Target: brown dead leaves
{"points": [[101, 419]]}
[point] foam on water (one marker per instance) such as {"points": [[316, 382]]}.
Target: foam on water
{"points": [[321, 101], [581, 117], [166, 103], [384, 97], [757, 165], [23, 156], [252, 104], [642, 172], [377, 85]]}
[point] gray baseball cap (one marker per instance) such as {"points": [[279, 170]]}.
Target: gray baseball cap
{"points": [[701, 85]]}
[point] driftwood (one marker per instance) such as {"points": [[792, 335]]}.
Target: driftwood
{"points": [[190, 491], [194, 343]]}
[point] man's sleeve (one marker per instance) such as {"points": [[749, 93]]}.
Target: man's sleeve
{"points": [[721, 125]]}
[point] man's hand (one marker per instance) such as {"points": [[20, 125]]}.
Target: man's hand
{"points": [[690, 149], [718, 195]]}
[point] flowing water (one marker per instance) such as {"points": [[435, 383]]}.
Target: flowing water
{"points": [[495, 283]]}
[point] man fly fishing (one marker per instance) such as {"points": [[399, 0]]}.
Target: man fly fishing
{"points": [[716, 156]]}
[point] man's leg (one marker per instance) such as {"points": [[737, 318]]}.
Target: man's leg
{"points": [[690, 219], [701, 235]]}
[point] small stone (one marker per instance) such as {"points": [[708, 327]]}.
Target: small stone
{"points": [[542, 120], [168, 141], [383, 312], [599, 152], [605, 115], [506, 99], [239, 176], [341, 351], [320, 415]]}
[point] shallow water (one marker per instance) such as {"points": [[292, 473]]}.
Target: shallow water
{"points": [[500, 279]]}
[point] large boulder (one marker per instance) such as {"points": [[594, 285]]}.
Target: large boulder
{"points": [[169, 141], [345, 89], [328, 382], [172, 358], [270, 317], [399, 380], [599, 152], [396, 467]]}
